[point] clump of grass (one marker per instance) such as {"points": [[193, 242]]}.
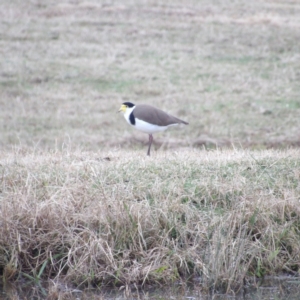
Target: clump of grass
{"points": [[117, 219]]}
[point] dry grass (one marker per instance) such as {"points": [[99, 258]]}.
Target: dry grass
{"points": [[112, 216], [116, 218], [231, 70]]}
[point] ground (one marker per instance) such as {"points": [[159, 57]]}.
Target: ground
{"points": [[218, 200], [230, 69]]}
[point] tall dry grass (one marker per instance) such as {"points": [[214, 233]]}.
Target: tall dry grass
{"points": [[119, 218]]}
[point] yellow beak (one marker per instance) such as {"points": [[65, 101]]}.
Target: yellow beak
{"points": [[122, 108]]}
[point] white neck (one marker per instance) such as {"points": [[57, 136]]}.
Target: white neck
{"points": [[128, 112]]}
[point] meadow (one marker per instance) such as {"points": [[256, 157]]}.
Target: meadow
{"points": [[218, 200]]}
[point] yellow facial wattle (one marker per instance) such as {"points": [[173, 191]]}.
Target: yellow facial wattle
{"points": [[123, 108]]}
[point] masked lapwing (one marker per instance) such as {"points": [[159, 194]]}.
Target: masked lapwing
{"points": [[148, 119]]}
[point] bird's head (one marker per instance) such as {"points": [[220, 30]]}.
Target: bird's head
{"points": [[124, 107]]}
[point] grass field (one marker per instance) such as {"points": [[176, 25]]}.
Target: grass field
{"points": [[120, 219], [218, 200], [230, 69]]}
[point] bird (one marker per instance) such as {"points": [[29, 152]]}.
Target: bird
{"points": [[148, 119]]}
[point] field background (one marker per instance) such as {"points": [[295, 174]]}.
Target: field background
{"points": [[230, 68], [79, 198]]}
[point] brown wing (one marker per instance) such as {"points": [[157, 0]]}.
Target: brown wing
{"points": [[155, 116]]}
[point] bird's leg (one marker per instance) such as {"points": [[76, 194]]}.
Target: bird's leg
{"points": [[150, 143]]}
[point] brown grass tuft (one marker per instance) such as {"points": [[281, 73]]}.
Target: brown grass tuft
{"points": [[221, 216]]}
